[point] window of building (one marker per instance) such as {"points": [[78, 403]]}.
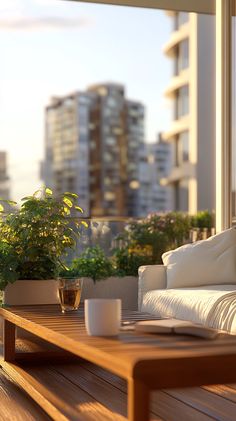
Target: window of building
{"points": [[134, 184], [107, 181], [107, 112], [92, 144], [109, 196], [182, 101], [182, 55], [117, 130], [181, 191], [83, 115], [83, 100], [182, 148], [112, 102], [110, 141], [83, 129], [102, 91], [108, 157]]}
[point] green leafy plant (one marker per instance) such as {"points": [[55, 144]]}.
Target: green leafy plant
{"points": [[127, 262], [36, 238], [203, 219], [8, 263], [92, 263]]}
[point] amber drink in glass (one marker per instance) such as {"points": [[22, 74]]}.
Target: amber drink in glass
{"points": [[70, 293]]}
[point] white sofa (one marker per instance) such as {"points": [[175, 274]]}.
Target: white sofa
{"points": [[185, 288], [211, 305]]}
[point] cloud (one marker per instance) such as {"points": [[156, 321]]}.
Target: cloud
{"points": [[43, 23]]}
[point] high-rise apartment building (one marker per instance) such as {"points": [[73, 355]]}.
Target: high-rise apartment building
{"points": [[154, 165], [67, 143], [4, 178], [192, 133], [92, 146], [116, 134]]}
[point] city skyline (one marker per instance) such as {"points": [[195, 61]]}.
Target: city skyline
{"points": [[95, 148], [91, 146], [52, 48]]}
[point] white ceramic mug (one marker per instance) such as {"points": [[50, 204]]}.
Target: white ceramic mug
{"points": [[102, 316]]}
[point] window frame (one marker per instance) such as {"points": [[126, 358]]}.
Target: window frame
{"points": [[224, 11]]}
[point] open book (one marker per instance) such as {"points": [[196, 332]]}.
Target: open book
{"points": [[180, 327]]}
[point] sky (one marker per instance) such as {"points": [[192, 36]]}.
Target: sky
{"points": [[55, 47]]}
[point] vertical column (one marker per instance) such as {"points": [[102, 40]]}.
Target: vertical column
{"points": [[9, 341], [138, 401], [223, 114]]}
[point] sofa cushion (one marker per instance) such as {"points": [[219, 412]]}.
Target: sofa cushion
{"points": [[205, 262], [212, 305]]}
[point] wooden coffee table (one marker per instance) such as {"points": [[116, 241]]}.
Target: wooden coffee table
{"points": [[146, 361]]}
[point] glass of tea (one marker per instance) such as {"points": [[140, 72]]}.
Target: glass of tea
{"points": [[69, 293]]}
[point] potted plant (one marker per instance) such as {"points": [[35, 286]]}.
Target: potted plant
{"points": [[92, 263], [34, 241], [103, 279]]}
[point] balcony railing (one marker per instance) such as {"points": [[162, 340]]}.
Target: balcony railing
{"points": [[112, 233]]}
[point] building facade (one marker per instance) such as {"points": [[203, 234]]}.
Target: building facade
{"points": [[117, 130], [154, 166], [4, 178], [92, 146], [192, 93]]}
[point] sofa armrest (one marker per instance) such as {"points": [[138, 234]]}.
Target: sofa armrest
{"points": [[150, 277]]}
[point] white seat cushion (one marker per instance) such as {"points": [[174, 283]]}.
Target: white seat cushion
{"points": [[213, 306], [206, 262]]}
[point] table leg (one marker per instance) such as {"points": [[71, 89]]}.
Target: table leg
{"points": [[9, 341], [138, 401]]}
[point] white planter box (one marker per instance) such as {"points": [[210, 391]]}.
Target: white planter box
{"points": [[29, 292], [125, 288]]}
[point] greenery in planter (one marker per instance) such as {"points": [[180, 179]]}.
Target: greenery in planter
{"points": [[127, 261], [36, 237], [92, 263], [203, 219], [152, 236]]}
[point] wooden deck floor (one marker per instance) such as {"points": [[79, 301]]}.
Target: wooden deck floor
{"points": [[91, 393], [15, 404]]}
